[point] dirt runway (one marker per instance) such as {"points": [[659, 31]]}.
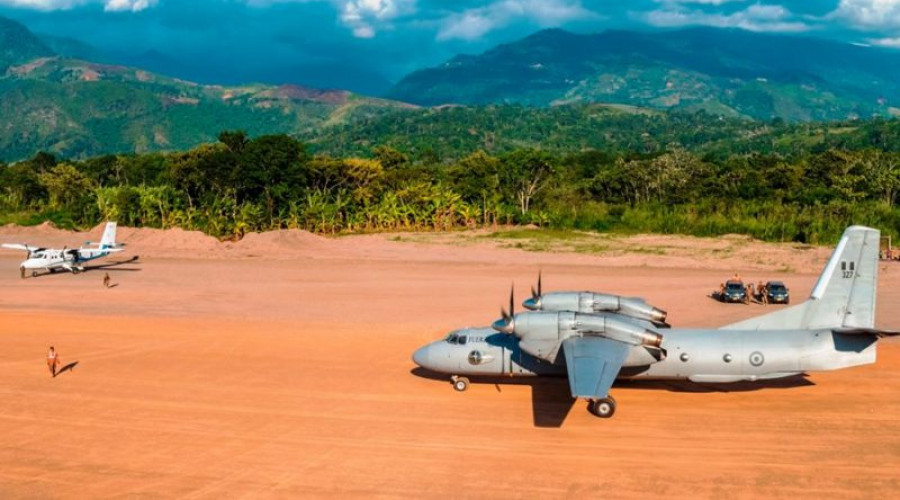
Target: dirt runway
{"points": [[245, 376]]}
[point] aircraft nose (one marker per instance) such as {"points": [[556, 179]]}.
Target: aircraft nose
{"points": [[420, 357], [532, 304]]}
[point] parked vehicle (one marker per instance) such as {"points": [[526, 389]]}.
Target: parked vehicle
{"points": [[778, 293], [734, 291]]}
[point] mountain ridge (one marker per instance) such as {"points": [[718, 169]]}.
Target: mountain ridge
{"points": [[735, 72], [79, 108]]}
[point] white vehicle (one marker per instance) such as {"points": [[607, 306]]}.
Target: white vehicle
{"points": [[69, 259]]}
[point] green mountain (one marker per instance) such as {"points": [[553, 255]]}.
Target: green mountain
{"points": [[18, 45], [77, 108], [451, 132], [723, 71]]}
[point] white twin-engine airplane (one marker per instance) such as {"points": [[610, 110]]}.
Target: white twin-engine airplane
{"points": [[68, 259]]}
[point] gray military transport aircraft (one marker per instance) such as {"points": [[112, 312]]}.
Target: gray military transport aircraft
{"points": [[595, 338]]}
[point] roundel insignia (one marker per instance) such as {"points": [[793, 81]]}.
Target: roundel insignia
{"points": [[757, 358], [475, 358]]}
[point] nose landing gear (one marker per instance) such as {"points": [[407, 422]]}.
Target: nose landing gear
{"points": [[460, 383], [603, 408]]}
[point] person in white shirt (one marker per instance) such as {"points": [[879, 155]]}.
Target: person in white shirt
{"points": [[53, 361]]}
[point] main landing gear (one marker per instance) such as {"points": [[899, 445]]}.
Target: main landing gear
{"points": [[603, 408], [460, 383]]}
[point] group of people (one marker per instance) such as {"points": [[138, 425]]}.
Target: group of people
{"points": [[760, 292]]}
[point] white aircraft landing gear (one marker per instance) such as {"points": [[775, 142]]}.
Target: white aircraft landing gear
{"points": [[460, 383], [603, 408]]}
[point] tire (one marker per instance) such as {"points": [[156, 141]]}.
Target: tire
{"points": [[603, 408], [461, 384]]}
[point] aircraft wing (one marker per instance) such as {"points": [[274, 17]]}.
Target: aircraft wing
{"points": [[15, 246], [593, 363]]}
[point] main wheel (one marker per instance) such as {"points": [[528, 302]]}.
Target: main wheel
{"points": [[603, 408], [34, 274], [461, 384]]}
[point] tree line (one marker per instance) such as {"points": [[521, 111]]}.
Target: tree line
{"points": [[242, 184]]}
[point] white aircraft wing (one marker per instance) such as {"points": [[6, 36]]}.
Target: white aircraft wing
{"points": [[16, 246], [593, 363]]}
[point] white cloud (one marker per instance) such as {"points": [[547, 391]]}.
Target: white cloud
{"points": [[128, 5], [362, 16], [756, 17], [869, 13], [893, 43], [108, 5], [703, 2], [473, 23]]}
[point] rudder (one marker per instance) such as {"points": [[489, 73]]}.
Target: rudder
{"points": [[109, 236]]}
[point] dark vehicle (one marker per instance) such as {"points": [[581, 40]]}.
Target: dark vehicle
{"points": [[778, 293], [734, 291]]}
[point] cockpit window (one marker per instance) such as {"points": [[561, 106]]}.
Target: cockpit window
{"points": [[462, 339], [452, 338]]}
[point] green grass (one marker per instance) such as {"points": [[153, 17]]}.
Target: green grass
{"points": [[537, 234], [60, 219]]}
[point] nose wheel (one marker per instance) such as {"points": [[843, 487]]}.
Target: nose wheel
{"points": [[460, 383], [603, 408]]}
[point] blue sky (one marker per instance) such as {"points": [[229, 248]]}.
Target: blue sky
{"points": [[365, 44]]}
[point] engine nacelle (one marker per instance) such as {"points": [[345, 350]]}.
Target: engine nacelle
{"points": [[542, 333], [589, 302], [615, 328]]}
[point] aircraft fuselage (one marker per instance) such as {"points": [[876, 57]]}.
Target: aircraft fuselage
{"points": [[713, 356], [50, 259]]}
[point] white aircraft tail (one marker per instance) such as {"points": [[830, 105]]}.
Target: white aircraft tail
{"points": [[844, 296], [109, 236]]}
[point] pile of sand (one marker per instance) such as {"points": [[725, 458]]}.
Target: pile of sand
{"points": [[656, 251]]}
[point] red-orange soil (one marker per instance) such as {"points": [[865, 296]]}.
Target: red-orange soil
{"points": [[280, 366]]}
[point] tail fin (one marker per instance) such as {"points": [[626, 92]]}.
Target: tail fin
{"points": [[109, 236], [844, 296]]}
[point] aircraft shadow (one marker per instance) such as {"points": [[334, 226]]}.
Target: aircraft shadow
{"points": [[550, 397], [69, 367], [113, 266], [551, 401], [110, 266], [695, 387]]}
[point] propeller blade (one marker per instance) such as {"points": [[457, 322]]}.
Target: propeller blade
{"points": [[540, 292], [507, 323]]}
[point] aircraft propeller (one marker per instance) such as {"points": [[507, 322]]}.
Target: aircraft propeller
{"points": [[533, 303], [507, 324]]}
